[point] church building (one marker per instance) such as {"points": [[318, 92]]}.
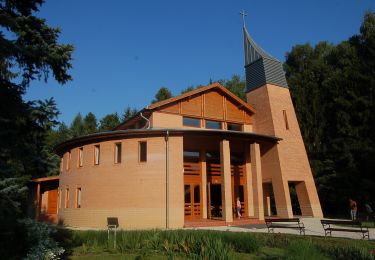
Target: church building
{"points": [[189, 158]]}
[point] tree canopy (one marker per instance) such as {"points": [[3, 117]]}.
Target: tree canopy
{"points": [[29, 50], [333, 89], [163, 94]]}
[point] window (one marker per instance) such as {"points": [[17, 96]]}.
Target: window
{"points": [[67, 198], [80, 157], [234, 127], [118, 153], [96, 154], [188, 121], [68, 160], [78, 202], [213, 124], [143, 151], [285, 120], [62, 164]]}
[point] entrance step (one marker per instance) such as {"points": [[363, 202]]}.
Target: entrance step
{"points": [[216, 223]]}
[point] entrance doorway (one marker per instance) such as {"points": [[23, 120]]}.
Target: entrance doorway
{"points": [[214, 200], [193, 205]]}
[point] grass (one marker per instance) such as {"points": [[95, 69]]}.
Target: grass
{"points": [[200, 244]]}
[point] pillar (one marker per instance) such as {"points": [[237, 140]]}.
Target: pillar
{"points": [[37, 212], [309, 204], [249, 185], [226, 187], [256, 171], [203, 165], [267, 199]]}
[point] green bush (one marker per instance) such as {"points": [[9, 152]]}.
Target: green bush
{"points": [[201, 244]]}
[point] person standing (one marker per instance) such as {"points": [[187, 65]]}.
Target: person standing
{"points": [[238, 207], [353, 209]]}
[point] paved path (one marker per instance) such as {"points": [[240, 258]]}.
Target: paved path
{"points": [[312, 227]]}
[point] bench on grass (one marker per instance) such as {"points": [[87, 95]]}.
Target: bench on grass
{"points": [[330, 225], [293, 223]]}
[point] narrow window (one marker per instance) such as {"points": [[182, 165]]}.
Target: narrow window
{"points": [[68, 160], [118, 153], [234, 127], [188, 121], [67, 198], [60, 198], [285, 120], [61, 164], [143, 151], [96, 154], [80, 157], [213, 124], [78, 202]]}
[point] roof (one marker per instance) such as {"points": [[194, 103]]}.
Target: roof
{"points": [[113, 135], [147, 110], [261, 67], [44, 179], [200, 90]]}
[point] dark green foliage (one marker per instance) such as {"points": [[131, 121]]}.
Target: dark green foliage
{"points": [[188, 89], [163, 94], [89, 124], [333, 89], [109, 122], [129, 113], [77, 127], [29, 50], [236, 85], [203, 244]]}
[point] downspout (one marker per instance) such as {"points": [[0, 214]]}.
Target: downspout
{"points": [[166, 138], [145, 118]]}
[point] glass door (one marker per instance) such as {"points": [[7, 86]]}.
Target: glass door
{"points": [[193, 202]]}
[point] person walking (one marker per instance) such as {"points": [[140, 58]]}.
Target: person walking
{"points": [[353, 209], [238, 207]]}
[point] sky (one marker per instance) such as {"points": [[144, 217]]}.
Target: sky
{"points": [[125, 50]]}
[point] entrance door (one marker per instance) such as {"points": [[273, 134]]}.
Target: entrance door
{"points": [[193, 204], [215, 201]]}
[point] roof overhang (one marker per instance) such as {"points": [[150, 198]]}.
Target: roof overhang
{"points": [[60, 149]]}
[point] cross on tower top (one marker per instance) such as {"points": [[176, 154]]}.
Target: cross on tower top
{"points": [[243, 14]]}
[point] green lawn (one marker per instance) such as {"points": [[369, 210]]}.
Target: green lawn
{"points": [[194, 244]]}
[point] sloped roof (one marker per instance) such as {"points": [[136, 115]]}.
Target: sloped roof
{"points": [[261, 68], [201, 90]]}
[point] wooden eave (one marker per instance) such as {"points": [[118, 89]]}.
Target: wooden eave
{"points": [[45, 179], [153, 132]]}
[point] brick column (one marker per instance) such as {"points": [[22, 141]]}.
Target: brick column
{"points": [[257, 181], [202, 156], [249, 185], [309, 204], [226, 187], [267, 199]]}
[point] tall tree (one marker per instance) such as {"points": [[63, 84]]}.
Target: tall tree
{"points": [[129, 113], [333, 88], [236, 85], [109, 122], [29, 50], [90, 124], [162, 94], [77, 126]]}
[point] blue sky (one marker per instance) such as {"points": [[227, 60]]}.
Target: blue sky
{"points": [[126, 50]]}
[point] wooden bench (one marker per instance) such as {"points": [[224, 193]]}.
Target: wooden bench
{"points": [[293, 223], [330, 225]]}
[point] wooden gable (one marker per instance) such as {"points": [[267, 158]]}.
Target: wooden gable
{"points": [[214, 104]]}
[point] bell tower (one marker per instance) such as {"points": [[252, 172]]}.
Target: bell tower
{"points": [[286, 163]]}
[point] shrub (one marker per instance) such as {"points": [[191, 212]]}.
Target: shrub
{"points": [[38, 238]]}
